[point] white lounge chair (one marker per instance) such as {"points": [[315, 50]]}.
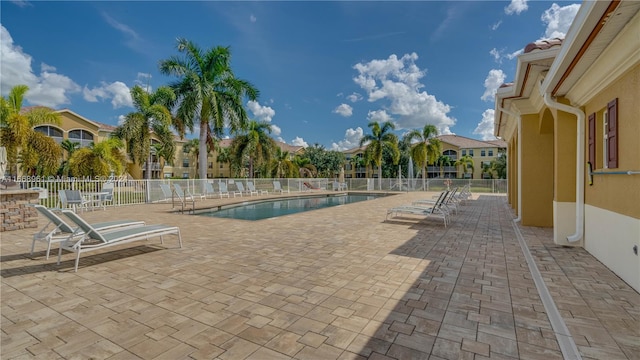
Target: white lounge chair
{"points": [[437, 210], [61, 230], [245, 191], [209, 190], [166, 192], [450, 202], [223, 189], [239, 189], [278, 188], [186, 195], [252, 188], [339, 186], [88, 238]]}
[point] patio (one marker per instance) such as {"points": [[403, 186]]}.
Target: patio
{"points": [[335, 283]]}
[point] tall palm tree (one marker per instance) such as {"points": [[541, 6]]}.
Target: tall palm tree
{"points": [[381, 138], [208, 92], [68, 148], [192, 148], [16, 133], [305, 168], [442, 161], [99, 159], [282, 166], [466, 162], [224, 155], [151, 115], [255, 145], [425, 148]]}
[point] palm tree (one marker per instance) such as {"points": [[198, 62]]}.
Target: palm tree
{"points": [[466, 162], [381, 138], [305, 167], [224, 155], [68, 147], [207, 91], [152, 115], [442, 161], [99, 159], [426, 149], [255, 145], [16, 133], [192, 147], [282, 166]]}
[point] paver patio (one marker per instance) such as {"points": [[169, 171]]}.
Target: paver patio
{"points": [[334, 283]]}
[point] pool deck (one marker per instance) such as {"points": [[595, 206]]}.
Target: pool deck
{"points": [[334, 283]]}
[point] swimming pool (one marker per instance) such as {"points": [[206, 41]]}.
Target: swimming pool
{"points": [[279, 207]]}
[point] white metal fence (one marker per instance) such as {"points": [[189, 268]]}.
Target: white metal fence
{"points": [[128, 192]]}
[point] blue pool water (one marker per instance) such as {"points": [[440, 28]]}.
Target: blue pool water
{"points": [[274, 208]]}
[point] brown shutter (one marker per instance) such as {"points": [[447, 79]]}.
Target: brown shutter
{"points": [[592, 140], [612, 133]]}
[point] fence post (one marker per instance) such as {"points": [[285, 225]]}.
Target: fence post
{"points": [[147, 191]]}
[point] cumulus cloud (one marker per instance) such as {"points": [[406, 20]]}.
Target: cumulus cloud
{"points": [[253, 18], [516, 7], [47, 88], [298, 141], [117, 91], [121, 119], [275, 130], [262, 113], [351, 140], [344, 110], [494, 79], [395, 83], [354, 97], [495, 26], [558, 20], [485, 126], [144, 81]]}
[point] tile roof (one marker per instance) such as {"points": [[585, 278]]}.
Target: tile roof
{"points": [[542, 45], [468, 143]]}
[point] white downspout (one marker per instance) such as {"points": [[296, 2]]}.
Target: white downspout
{"points": [[517, 116], [579, 162]]}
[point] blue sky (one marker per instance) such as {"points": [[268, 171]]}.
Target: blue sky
{"points": [[324, 69]]}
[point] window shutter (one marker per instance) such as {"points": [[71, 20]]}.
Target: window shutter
{"points": [[592, 140], [612, 133]]}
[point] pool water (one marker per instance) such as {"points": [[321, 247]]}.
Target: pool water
{"points": [[275, 208]]}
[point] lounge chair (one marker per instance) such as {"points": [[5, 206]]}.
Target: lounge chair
{"points": [[239, 189], [166, 192], [61, 230], [186, 195], [437, 210], [245, 191], [252, 188], [278, 188], [450, 202], [339, 186], [223, 189], [88, 238], [308, 186], [209, 190]]}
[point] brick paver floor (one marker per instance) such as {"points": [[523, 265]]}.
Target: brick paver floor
{"points": [[334, 283]]}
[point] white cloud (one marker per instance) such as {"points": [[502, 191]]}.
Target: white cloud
{"points": [[516, 7], [496, 54], [21, 3], [262, 113], [121, 119], [344, 110], [253, 18], [354, 97], [558, 19], [47, 89], [351, 140], [275, 130], [117, 91], [495, 26], [298, 141], [144, 81], [396, 82], [494, 79], [379, 116], [485, 126]]}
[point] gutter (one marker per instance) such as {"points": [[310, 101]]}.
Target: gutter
{"points": [[517, 116], [579, 232]]}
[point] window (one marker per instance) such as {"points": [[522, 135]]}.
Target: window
{"points": [[221, 166], [464, 152], [185, 175], [490, 152], [592, 140], [470, 152], [483, 153], [185, 162], [452, 154], [210, 165], [54, 133], [611, 134], [185, 149], [83, 137]]}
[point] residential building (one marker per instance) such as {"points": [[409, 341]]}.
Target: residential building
{"points": [[570, 119]]}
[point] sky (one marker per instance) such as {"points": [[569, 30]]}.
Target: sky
{"points": [[324, 69]]}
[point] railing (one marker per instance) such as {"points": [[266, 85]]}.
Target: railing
{"points": [[130, 192]]}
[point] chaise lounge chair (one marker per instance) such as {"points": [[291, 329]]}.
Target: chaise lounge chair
{"points": [[242, 190], [62, 230], [278, 188], [308, 186], [252, 188], [87, 238], [437, 210]]}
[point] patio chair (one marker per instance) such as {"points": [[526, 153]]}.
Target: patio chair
{"points": [[252, 188], [239, 189], [339, 186], [246, 191], [208, 190], [72, 199], [61, 230], [88, 238], [107, 196], [185, 195], [166, 192], [223, 189], [278, 188], [450, 202], [437, 210]]}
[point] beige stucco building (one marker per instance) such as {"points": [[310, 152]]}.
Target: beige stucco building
{"points": [[570, 119]]}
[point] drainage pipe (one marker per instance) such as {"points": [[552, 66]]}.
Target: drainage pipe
{"points": [[579, 162], [519, 176]]}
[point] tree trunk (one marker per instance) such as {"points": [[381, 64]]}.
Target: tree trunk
{"points": [[148, 170], [202, 151], [424, 181]]}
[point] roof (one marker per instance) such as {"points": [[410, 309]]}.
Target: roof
{"points": [[468, 143], [542, 45], [292, 149]]}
